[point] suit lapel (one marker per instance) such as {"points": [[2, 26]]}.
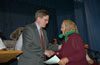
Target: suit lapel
{"points": [[37, 34]]}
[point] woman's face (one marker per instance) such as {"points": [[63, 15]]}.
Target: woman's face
{"points": [[63, 28]]}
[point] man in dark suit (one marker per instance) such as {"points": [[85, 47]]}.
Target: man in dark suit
{"points": [[35, 41]]}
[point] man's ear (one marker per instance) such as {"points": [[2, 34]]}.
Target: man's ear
{"points": [[38, 18]]}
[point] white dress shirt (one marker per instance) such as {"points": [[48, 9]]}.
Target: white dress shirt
{"points": [[19, 43]]}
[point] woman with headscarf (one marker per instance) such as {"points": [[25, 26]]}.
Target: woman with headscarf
{"points": [[72, 51]]}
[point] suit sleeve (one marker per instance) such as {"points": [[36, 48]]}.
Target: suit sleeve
{"points": [[50, 46], [27, 39]]}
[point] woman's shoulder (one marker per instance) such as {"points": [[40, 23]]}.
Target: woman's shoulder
{"points": [[75, 36]]}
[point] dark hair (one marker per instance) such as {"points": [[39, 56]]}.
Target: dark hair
{"points": [[41, 13]]}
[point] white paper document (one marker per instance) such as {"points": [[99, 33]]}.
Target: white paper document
{"points": [[52, 60]]}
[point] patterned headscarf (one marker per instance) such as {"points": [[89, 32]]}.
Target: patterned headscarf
{"points": [[69, 24]]}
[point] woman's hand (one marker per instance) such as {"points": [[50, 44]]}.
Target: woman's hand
{"points": [[63, 61], [49, 53]]}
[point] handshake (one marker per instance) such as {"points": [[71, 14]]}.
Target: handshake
{"points": [[49, 53]]}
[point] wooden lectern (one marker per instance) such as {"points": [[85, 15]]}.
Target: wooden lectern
{"points": [[6, 56]]}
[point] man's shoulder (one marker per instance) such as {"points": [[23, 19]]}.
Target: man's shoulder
{"points": [[33, 26]]}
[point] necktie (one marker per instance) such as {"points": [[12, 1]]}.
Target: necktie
{"points": [[42, 39]]}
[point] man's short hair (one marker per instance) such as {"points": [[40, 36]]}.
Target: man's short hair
{"points": [[41, 13]]}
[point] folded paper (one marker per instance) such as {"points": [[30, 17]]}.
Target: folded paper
{"points": [[52, 60]]}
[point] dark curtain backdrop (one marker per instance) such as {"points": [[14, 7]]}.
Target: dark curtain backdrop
{"points": [[80, 19], [15, 14], [87, 18], [92, 11]]}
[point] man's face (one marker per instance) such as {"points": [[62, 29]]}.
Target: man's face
{"points": [[43, 21]]}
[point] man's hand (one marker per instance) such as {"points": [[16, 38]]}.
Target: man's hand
{"points": [[49, 53]]}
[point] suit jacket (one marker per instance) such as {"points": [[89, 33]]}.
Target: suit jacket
{"points": [[74, 50], [33, 53]]}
